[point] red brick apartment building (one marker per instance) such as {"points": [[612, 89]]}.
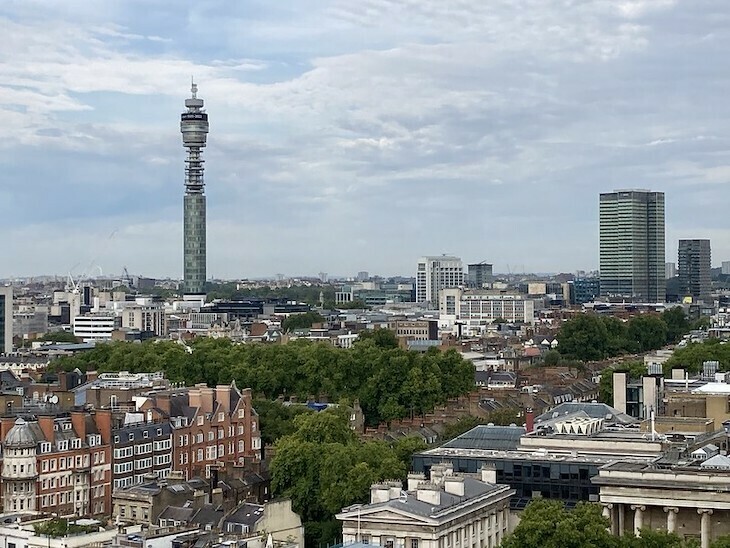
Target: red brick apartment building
{"points": [[211, 426], [57, 464]]}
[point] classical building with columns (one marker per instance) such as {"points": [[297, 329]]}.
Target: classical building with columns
{"points": [[692, 500], [455, 510]]}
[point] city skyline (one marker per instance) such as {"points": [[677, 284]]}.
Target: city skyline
{"points": [[376, 131]]}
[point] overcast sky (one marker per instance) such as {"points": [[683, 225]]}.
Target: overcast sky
{"points": [[357, 135]]}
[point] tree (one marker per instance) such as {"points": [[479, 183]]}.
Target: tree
{"points": [[551, 358], [301, 321], [650, 538], [584, 337], [382, 338], [389, 382], [277, 420], [59, 337], [324, 467], [692, 356], [463, 424], [677, 323], [547, 524], [648, 331]]}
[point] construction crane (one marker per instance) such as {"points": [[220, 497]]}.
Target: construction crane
{"points": [[126, 278]]}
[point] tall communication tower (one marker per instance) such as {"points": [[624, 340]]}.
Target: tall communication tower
{"points": [[194, 128]]}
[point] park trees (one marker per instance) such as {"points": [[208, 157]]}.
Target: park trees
{"points": [[323, 466], [389, 382]]}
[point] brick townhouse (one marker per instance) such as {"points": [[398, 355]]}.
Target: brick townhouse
{"points": [[211, 426], [57, 464], [141, 449]]}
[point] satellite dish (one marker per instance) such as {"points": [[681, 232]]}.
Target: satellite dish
{"points": [[53, 399]]}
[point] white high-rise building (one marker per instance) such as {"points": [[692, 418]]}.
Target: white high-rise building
{"points": [[435, 274], [725, 267]]}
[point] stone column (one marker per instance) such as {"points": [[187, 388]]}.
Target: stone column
{"points": [[608, 514], [672, 512], [638, 518], [705, 532], [621, 519]]}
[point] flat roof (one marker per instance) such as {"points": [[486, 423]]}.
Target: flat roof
{"points": [[485, 454]]}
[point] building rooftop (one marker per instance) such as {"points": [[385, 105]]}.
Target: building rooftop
{"points": [[488, 437]]}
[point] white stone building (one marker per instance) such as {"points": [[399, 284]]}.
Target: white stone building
{"points": [[436, 273], [476, 310], [94, 327], [449, 510], [19, 474], [691, 500]]}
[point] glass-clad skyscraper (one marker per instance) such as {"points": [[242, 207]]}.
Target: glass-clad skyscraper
{"points": [[632, 254]]}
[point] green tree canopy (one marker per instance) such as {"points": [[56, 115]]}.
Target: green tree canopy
{"points": [[382, 338], [301, 321], [591, 337], [547, 524], [322, 466], [59, 337], [692, 356], [677, 323], [389, 382]]}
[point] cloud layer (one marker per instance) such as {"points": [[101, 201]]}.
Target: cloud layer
{"points": [[357, 136]]}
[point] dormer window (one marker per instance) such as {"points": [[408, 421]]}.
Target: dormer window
{"points": [[221, 417], [45, 447], [145, 434], [131, 437], [76, 443]]}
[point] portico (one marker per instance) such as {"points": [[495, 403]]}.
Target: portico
{"points": [[686, 500]]}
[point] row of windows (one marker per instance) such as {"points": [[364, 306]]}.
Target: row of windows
{"points": [[63, 445], [49, 465], [65, 497], [212, 452], [130, 436]]}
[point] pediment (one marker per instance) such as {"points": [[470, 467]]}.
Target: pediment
{"points": [[388, 515]]}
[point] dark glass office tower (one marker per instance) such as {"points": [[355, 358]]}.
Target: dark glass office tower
{"points": [[694, 269], [632, 253]]}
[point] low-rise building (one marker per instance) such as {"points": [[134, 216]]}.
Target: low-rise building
{"points": [[473, 311], [447, 510]]}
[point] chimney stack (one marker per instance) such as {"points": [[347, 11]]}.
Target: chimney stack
{"points": [[78, 420], [46, 422], [529, 420]]}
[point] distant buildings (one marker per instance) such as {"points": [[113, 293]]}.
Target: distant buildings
{"points": [[436, 273], [94, 327], [6, 319], [632, 258], [584, 290], [474, 310], [725, 269], [670, 270], [694, 269], [478, 275]]}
